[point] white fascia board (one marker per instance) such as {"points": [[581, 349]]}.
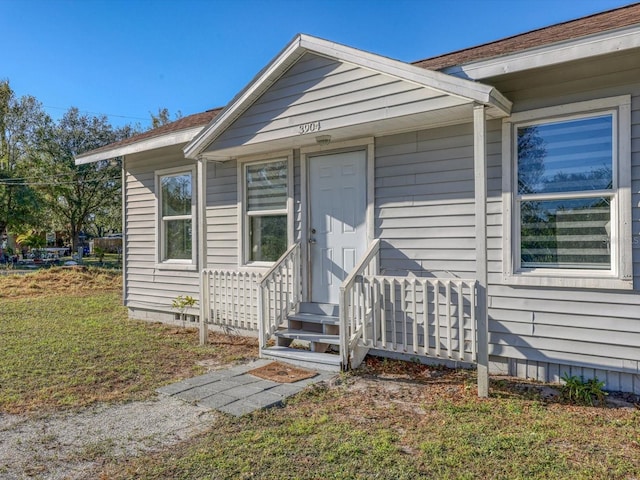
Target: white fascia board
{"points": [[442, 82], [167, 140], [258, 85], [301, 44], [561, 52]]}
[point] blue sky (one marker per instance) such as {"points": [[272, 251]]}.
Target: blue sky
{"points": [[126, 58]]}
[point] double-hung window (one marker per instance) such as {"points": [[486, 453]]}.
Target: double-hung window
{"points": [[266, 210], [176, 206], [568, 192]]}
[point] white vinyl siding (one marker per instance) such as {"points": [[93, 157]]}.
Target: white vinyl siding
{"points": [[540, 331], [147, 286], [335, 94], [424, 200], [545, 371], [222, 215]]}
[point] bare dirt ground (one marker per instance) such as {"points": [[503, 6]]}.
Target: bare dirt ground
{"points": [[72, 445]]}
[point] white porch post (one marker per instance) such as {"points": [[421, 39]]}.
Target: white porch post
{"points": [[202, 247], [480, 178]]}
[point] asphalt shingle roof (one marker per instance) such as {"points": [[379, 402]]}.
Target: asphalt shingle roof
{"points": [[184, 123], [581, 27]]}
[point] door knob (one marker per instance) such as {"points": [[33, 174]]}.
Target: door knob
{"points": [[312, 240]]}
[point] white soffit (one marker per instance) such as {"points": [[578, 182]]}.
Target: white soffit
{"points": [[472, 92], [576, 49]]}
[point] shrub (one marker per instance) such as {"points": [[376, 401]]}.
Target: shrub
{"points": [[579, 391]]}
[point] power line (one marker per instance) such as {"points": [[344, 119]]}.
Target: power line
{"points": [[39, 176], [23, 184], [100, 113]]}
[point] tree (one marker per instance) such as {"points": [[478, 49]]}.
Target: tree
{"points": [[163, 117], [106, 218], [22, 121], [31, 239], [77, 194]]}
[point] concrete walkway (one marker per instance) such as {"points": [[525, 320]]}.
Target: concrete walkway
{"points": [[236, 392]]}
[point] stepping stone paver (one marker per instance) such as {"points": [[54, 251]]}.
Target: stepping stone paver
{"points": [[235, 391]]}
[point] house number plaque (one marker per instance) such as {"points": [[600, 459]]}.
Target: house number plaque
{"points": [[310, 127]]}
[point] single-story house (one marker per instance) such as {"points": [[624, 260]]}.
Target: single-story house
{"points": [[480, 207]]}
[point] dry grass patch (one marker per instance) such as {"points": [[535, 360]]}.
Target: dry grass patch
{"points": [[60, 281]]}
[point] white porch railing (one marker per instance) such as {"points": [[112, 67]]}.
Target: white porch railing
{"points": [[420, 316], [410, 315], [280, 291], [356, 308], [232, 298]]}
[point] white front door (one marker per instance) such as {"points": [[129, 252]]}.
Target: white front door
{"points": [[337, 220]]}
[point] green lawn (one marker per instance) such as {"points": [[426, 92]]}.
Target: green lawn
{"points": [[63, 350], [66, 343], [436, 428]]}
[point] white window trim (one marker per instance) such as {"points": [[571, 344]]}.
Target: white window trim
{"points": [[621, 274], [243, 235], [176, 264]]}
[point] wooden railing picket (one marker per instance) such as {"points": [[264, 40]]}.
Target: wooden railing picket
{"points": [[280, 291], [442, 311]]}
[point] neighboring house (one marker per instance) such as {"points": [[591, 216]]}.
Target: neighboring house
{"points": [[480, 203]]}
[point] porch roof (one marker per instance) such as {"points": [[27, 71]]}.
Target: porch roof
{"points": [[179, 132], [420, 99]]}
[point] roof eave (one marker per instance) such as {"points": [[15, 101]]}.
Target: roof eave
{"points": [[167, 140], [401, 70], [617, 40]]}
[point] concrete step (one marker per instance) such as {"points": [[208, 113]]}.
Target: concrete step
{"points": [[303, 358], [308, 336]]}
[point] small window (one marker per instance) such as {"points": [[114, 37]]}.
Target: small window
{"points": [[176, 207], [567, 174], [266, 210]]}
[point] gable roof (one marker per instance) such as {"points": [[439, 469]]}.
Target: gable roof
{"points": [[447, 85], [572, 29], [187, 128], [180, 131]]}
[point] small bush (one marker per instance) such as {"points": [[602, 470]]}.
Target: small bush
{"points": [[579, 391]]}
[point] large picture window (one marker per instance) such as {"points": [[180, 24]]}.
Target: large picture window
{"points": [[266, 199], [176, 206], [565, 193], [569, 208]]}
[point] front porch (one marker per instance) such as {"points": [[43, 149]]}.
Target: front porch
{"points": [[420, 317]]}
